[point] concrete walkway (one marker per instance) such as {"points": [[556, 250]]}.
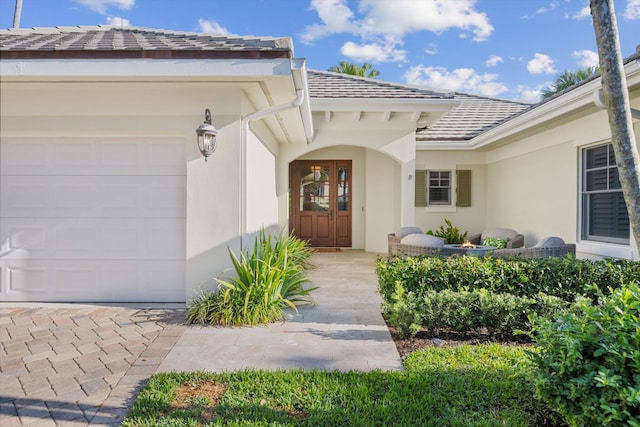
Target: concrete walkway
{"points": [[78, 365], [343, 330]]}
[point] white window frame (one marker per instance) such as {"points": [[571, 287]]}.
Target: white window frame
{"points": [[451, 206], [448, 188], [598, 243]]}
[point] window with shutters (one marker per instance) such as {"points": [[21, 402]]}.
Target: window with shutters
{"points": [[435, 188], [439, 189], [604, 212]]}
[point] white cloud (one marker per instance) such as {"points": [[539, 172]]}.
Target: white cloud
{"points": [[211, 27], [336, 17], [432, 49], [552, 6], [493, 61], [101, 6], [632, 11], [530, 95], [409, 16], [541, 64], [386, 23], [586, 58], [459, 80], [372, 52], [583, 13], [117, 21]]}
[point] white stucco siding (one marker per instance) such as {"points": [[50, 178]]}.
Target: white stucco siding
{"points": [[262, 199], [384, 206], [541, 176], [471, 219], [535, 193]]}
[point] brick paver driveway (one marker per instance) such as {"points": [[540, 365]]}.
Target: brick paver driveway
{"points": [[68, 365]]}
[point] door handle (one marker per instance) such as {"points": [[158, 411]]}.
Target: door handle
{"points": [[331, 214]]}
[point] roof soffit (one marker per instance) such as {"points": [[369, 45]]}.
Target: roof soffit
{"points": [[546, 114]]}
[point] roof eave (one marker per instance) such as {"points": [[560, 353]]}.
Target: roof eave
{"points": [[143, 54], [580, 97], [383, 105]]}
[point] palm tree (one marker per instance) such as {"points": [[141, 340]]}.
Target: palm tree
{"points": [[364, 70], [17, 13], [567, 79]]}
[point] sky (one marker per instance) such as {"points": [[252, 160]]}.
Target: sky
{"points": [[507, 49]]}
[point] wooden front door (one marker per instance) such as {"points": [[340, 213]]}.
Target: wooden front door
{"points": [[321, 202]]}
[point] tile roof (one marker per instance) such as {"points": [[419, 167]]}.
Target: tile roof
{"points": [[128, 42], [473, 116], [327, 84]]}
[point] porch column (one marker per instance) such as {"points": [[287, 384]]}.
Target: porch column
{"points": [[407, 193]]}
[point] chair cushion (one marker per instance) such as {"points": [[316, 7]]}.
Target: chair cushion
{"points": [[405, 231], [495, 242], [550, 242], [424, 240], [499, 233]]}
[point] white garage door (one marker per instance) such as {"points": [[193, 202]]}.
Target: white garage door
{"points": [[92, 219]]}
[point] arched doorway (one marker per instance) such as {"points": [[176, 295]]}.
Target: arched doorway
{"points": [[321, 201]]}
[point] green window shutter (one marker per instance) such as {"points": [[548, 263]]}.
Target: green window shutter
{"points": [[421, 188], [463, 178]]}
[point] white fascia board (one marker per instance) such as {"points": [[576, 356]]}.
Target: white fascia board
{"points": [[384, 105], [442, 145], [564, 104], [299, 73], [184, 69]]}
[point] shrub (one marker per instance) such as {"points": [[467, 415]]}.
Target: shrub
{"points": [[404, 313], [560, 277], [467, 311], [267, 279], [451, 234], [588, 363]]}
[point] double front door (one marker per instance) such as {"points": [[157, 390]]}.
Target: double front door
{"points": [[321, 202]]}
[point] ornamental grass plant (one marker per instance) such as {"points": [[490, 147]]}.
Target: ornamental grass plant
{"points": [[267, 278]]}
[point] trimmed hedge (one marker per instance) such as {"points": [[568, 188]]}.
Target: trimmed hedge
{"points": [[560, 277], [584, 317], [588, 363], [467, 312]]}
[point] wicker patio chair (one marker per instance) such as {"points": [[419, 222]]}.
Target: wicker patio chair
{"points": [[395, 238], [425, 245], [515, 239], [546, 248], [413, 250]]}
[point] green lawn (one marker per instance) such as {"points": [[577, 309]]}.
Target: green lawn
{"points": [[483, 385]]}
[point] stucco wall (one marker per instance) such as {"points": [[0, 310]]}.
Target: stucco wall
{"points": [[535, 193], [262, 200], [471, 219], [533, 184], [383, 208]]}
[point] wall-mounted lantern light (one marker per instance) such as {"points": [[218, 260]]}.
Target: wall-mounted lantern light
{"points": [[207, 136]]}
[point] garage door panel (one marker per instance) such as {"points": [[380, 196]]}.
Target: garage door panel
{"points": [[88, 238], [93, 156], [92, 196], [91, 280], [92, 219]]}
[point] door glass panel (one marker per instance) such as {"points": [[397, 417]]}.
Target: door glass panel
{"points": [[343, 189], [314, 188]]}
